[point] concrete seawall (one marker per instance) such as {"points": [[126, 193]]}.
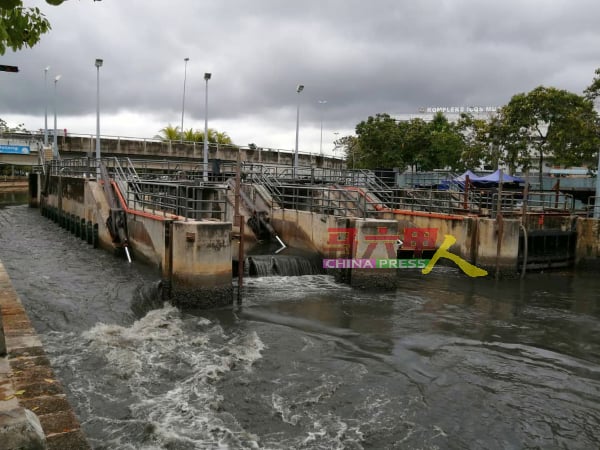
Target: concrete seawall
{"points": [[34, 410]]}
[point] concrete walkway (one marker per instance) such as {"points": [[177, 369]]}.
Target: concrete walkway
{"points": [[30, 394]]}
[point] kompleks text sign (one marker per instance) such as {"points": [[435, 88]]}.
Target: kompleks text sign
{"points": [[15, 149], [417, 239]]}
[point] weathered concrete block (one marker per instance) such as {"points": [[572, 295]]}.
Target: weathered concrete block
{"points": [[375, 240], [201, 264], [20, 429]]}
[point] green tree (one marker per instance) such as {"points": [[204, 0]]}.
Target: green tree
{"points": [[552, 122], [5, 128], [414, 138], [351, 149], [189, 135], [384, 142], [592, 92], [222, 138], [476, 138], [169, 133], [380, 141], [20, 26], [446, 146]]}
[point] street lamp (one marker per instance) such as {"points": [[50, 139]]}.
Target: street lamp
{"points": [[98, 64], [321, 102], [183, 101], [205, 171], [55, 145], [299, 89], [46, 106]]}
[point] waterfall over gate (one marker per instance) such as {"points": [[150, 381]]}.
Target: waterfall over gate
{"points": [[280, 265]]}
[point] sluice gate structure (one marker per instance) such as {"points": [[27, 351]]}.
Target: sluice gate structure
{"points": [[190, 223]]}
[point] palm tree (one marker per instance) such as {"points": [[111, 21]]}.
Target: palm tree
{"points": [[190, 135], [169, 133], [221, 137]]}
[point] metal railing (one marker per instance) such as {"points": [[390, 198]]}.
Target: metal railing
{"points": [[183, 201], [329, 191], [593, 205], [37, 137], [322, 200]]}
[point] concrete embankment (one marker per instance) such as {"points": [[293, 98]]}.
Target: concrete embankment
{"points": [[34, 411]]}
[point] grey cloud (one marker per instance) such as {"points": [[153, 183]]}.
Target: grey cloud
{"points": [[362, 57]]}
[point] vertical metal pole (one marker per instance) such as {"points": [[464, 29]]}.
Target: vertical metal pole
{"points": [[97, 121], [499, 225], [238, 219], [241, 264], [55, 144], [525, 198], [46, 106], [321, 102], [466, 197], [297, 132], [205, 165], [321, 142], [299, 89], [183, 101]]}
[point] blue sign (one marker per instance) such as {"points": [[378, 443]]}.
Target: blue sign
{"points": [[17, 149]]}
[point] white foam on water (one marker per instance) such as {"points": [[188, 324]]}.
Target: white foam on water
{"points": [[167, 376], [303, 406]]}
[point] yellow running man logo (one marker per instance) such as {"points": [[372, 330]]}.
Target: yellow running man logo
{"points": [[442, 252]]}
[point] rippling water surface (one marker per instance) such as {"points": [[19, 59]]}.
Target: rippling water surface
{"points": [[444, 362]]}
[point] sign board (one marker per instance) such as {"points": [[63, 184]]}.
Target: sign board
{"points": [[15, 149], [4, 68], [460, 109]]}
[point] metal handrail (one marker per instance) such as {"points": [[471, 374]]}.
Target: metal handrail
{"points": [[184, 201]]}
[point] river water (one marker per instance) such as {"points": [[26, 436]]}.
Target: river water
{"points": [[444, 362]]}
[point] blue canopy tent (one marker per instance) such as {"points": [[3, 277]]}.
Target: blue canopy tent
{"points": [[463, 177], [495, 178], [460, 180]]}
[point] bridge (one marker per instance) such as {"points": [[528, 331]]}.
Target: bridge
{"points": [[149, 150]]}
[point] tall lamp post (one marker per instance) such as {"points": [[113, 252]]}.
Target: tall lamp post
{"points": [[299, 89], [183, 101], [321, 102], [207, 76], [98, 64], [55, 143], [46, 106]]}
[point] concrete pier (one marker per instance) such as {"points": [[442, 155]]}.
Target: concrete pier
{"points": [[193, 256], [34, 410]]}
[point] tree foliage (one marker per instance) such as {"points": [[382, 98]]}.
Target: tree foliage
{"points": [[5, 128], [551, 122], [385, 142], [172, 133], [22, 26], [545, 122]]}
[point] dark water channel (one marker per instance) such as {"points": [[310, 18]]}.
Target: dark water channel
{"points": [[444, 362]]}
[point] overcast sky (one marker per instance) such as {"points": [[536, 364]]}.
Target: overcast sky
{"points": [[361, 57]]}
